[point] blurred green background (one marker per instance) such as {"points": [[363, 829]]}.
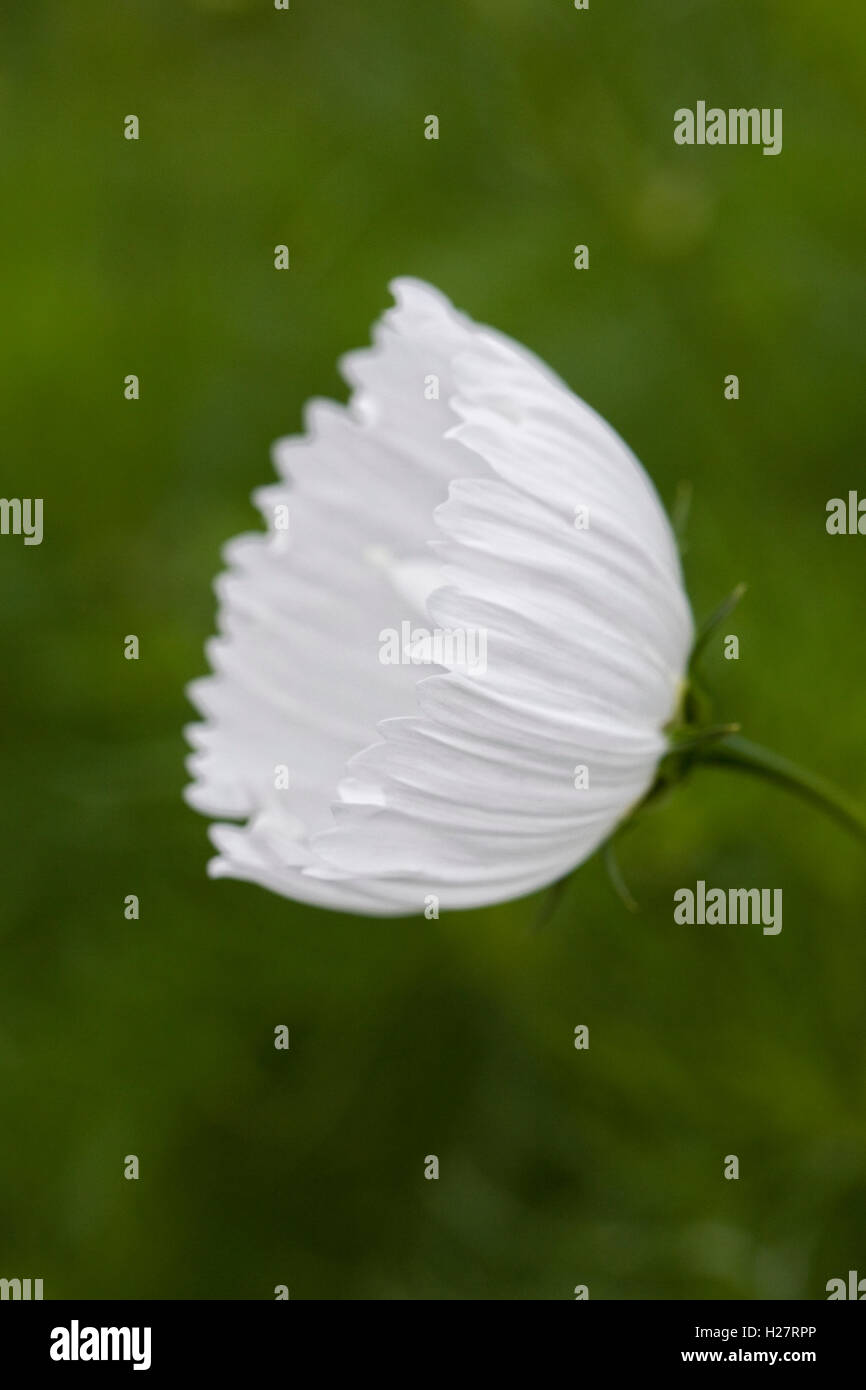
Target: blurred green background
{"points": [[411, 1037]]}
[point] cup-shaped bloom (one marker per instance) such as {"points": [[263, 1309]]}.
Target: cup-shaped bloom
{"points": [[447, 665]]}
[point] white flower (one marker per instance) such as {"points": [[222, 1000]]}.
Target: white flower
{"points": [[504, 508]]}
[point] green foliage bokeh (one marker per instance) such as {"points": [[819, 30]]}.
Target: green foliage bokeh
{"points": [[411, 1037]]}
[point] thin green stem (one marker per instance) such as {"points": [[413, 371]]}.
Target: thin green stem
{"points": [[680, 512], [614, 873], [699, 738], [551, 901], [718, 616], [741, 755]]}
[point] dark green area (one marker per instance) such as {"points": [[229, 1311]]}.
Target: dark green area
{"points": [[558, 1167]]}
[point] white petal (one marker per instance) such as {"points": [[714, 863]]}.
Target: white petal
{"points": [[465, 504]]}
